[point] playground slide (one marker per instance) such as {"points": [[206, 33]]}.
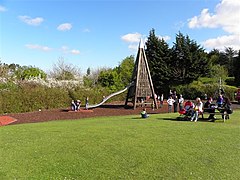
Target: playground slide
{"points": [[108, 97]]}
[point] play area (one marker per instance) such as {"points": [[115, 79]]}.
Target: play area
{"points": [[140, 94]]}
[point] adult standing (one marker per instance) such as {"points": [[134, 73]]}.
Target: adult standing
{"points": [[175, 104], [170, 102], [161, 100], [181, 101]]}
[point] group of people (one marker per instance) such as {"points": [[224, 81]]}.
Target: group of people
{"points": [[174, 102], [76, 104], [223, 104]]}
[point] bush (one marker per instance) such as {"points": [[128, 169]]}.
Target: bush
{"points": [[198, 89], [31, 97], [230, 81]]}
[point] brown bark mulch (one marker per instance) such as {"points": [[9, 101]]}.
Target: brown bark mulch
{"points": [[116, 109], [113, 109]]}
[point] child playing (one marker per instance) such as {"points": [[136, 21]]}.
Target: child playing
{"points": [[144, 113]]}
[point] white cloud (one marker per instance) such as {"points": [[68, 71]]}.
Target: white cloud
{"points": [[179, 25], [86, 30], [74, 51], [2, 9], [64, 27], [66, 50], [31, 21], [227, 17], [132, 38], [165, 38], [221, 42], [133, 47], [38, 47]]}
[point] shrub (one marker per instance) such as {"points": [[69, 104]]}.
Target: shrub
{"points": [[31, 97], [198, 89]]}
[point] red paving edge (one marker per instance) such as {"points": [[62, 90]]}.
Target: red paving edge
{"points": [[5, 120]]}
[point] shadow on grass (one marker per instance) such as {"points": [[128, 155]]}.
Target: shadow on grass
{"points": [[185, 119], [139, 118]]}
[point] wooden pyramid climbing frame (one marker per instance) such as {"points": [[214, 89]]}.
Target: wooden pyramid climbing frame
{"points": [[142, 86]]}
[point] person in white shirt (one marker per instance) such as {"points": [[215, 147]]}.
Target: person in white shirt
{"points": [[180, 101], [170, 102]]}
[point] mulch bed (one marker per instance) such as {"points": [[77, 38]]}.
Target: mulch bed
{"points": [[65, 114], [114, 109]]}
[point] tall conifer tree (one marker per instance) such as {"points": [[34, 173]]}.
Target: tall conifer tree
{"points": [[158, 55], [188, 62]]}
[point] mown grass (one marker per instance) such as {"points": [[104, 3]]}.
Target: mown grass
{"points": [[125, 147]]}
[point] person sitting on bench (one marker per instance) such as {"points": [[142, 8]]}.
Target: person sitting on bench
{"points": [[210, 108], [198, 109], [144, 113], [226, 107]]}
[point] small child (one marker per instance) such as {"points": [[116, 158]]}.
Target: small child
{"points": [[144, 113], [78, 104], [86, 103], [73, 106]]}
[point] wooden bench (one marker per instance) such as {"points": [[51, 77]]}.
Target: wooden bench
{"points": [[224, 115]]}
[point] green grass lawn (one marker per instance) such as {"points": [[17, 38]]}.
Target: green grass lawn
{"points": [[125, 147]]}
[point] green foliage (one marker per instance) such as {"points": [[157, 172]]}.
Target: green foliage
{"points": [[204, 86], [29, 97], [88, 81], [64, 71], [230, 81], [95, 94], [9, 85], [236, 70], [25, 72], [185, 62], [125, 70], [189, 61], [159, 57], [110, 79], [217, 72], [123, 147]]}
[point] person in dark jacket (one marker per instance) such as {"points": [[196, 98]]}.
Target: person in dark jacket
{"points": [[210, 107]]}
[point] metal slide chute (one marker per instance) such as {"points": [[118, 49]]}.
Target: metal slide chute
{"points": [[108, 97]]}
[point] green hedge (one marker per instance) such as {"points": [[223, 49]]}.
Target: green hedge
{"points": [[32, 98], [27, 97], [199, 89]]}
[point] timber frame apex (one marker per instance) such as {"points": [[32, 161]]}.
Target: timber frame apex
{"points": [[142, 86]]}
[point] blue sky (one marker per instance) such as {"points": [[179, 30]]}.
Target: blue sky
{"points": [[101, 33]]}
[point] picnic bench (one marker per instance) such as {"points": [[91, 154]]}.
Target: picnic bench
{"points": [[218, 111]]}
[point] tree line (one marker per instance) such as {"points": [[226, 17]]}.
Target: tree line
{"points": [[187, 61], [183, 63]]}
